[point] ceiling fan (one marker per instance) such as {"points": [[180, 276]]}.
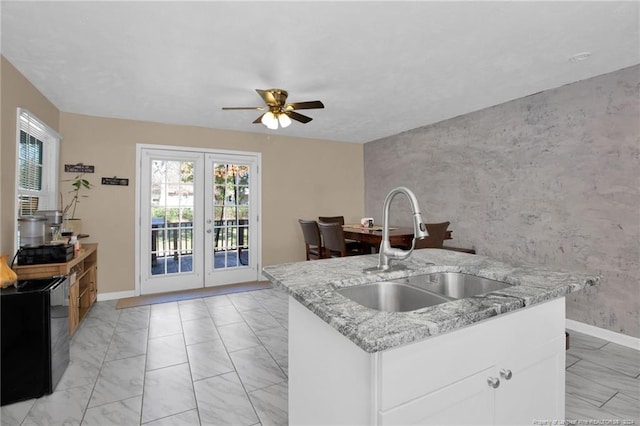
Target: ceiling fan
{"points": [[279, 111]]}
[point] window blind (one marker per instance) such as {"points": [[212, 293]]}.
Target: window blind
{"points": [[37, 151], [30, 165]]}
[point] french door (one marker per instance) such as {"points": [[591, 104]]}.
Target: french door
{"points": [[198, 219]]}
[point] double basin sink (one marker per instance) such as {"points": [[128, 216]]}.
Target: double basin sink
{"points": [[420, 291]]}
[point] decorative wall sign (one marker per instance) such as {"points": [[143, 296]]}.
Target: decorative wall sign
{"points": [[115, 181], [79, 168]]}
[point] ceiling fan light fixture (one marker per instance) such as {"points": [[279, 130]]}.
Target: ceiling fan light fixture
{"points": [[279, 113], [269, 119], [284, 120]]}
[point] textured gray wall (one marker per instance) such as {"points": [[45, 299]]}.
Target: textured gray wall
{"points": [[552, 179]]}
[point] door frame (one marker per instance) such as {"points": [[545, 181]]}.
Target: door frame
{"points": [[138, 190]]}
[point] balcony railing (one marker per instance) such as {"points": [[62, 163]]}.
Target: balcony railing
{"points": [[175, 239]]}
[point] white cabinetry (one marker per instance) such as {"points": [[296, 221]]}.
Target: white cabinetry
{"points": [[536, 388], [505, 370], [464, 402], [512, 392]]}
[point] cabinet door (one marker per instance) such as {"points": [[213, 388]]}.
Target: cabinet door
{"points": [[93, 284], [535, 389], [468, 401], [74, 305]]}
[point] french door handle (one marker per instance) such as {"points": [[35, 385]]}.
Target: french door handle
{"points": [[208, 231]]}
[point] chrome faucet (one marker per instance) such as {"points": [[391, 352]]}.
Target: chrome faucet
{"points": [[388, 253]]}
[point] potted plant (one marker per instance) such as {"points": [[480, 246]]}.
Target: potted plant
{"points": [[71, 223]]}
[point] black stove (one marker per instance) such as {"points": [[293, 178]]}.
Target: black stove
{"points": [[31, 286]]}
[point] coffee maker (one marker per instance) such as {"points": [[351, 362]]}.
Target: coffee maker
{"points": [[53, 224]]}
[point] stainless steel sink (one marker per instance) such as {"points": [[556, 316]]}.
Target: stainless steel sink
{"points": [[420, 291], [454, 284], [391, 296]]}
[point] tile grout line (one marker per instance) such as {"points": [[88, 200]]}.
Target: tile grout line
{"points": [[184, 341], [610, 398], [95, 383], [261, 344], [235, 369], [605, 410], [144, 370]]}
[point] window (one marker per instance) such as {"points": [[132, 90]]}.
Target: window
{"points": [[37, 165], [30, 166]]}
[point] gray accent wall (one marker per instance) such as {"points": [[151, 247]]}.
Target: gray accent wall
{"points": [[551, 179]]}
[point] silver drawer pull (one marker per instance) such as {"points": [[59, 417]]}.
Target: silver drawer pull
{"points": [[506, 374], [494, 382]]}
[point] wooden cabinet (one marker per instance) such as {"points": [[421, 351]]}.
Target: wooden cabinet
{"points": [[506, 370], [83, 280], [87, 284], [74, 304]]}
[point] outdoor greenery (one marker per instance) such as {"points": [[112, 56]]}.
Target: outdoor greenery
{"points": [[173, 214], [172, 209]]}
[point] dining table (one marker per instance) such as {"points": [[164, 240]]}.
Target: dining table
{"points": [[399, 236]]}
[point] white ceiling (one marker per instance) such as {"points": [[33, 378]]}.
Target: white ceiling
{"points": [[379, 67]]}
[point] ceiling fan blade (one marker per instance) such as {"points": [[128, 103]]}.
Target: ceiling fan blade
{"points": [[276, 104], [267, 96], [304, 105], [237, 108], [298, 117]]}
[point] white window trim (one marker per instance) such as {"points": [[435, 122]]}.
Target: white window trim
{"points": [[51, 155]]}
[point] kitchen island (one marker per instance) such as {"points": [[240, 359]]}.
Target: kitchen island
{"points": [[496, 358]]}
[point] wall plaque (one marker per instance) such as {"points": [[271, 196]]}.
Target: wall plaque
{"points": [[115, 181], [79, 168]]}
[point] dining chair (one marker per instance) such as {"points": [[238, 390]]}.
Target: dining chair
{"points": [[352, 245], [437, 233], [333, 240], [331, 219], [312, 239]]}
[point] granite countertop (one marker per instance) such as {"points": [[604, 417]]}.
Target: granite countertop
{"points": [[313, 284]]}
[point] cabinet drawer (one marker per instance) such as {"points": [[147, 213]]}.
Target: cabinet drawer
{"points": [[468, 401], [417, 369]]}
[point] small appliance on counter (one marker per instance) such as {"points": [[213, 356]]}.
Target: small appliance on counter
{"points": [[53, 224], [34, 337], [46, 253], [31, 230]]}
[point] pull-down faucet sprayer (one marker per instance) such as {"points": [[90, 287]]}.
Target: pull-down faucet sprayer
{"points": [[388, 253]]}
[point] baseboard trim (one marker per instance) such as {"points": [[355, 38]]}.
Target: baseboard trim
{"points": [[115, 295], [194, 293], [601, 333]]}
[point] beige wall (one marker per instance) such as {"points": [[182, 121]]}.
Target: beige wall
{"points": [[15, 91], [301, 178]]}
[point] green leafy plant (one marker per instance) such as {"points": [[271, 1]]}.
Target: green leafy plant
{"points": [[77, 183]]}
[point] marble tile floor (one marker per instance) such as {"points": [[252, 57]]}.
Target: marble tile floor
{"points": [[218, 360], [223, 360], [602, 382]]}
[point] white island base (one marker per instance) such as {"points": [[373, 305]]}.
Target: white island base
{"points": [[506, 370]]}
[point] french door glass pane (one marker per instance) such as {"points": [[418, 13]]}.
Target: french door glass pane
{"points": [[172, 206], [231, 215]]}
